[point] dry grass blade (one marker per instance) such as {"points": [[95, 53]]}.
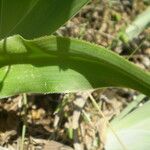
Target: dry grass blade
{"points": [[109, 125]]}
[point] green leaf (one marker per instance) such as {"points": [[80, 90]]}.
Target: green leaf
{"points": [[139, 24], [34, 18], [131, 106], [133, 130], [57, 64]]}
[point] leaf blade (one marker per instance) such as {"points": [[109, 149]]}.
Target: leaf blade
{"points": [[133, 130], [34, 18], [56, 64]]}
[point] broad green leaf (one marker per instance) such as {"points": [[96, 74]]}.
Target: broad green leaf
{"points": [[133, 130], [34, 18], [57, 64]]}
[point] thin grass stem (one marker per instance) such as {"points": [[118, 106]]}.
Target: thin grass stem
{"points": [[24, 127], [109, 125]]}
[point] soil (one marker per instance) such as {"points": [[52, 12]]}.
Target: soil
{"points": [[60, 121]]}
